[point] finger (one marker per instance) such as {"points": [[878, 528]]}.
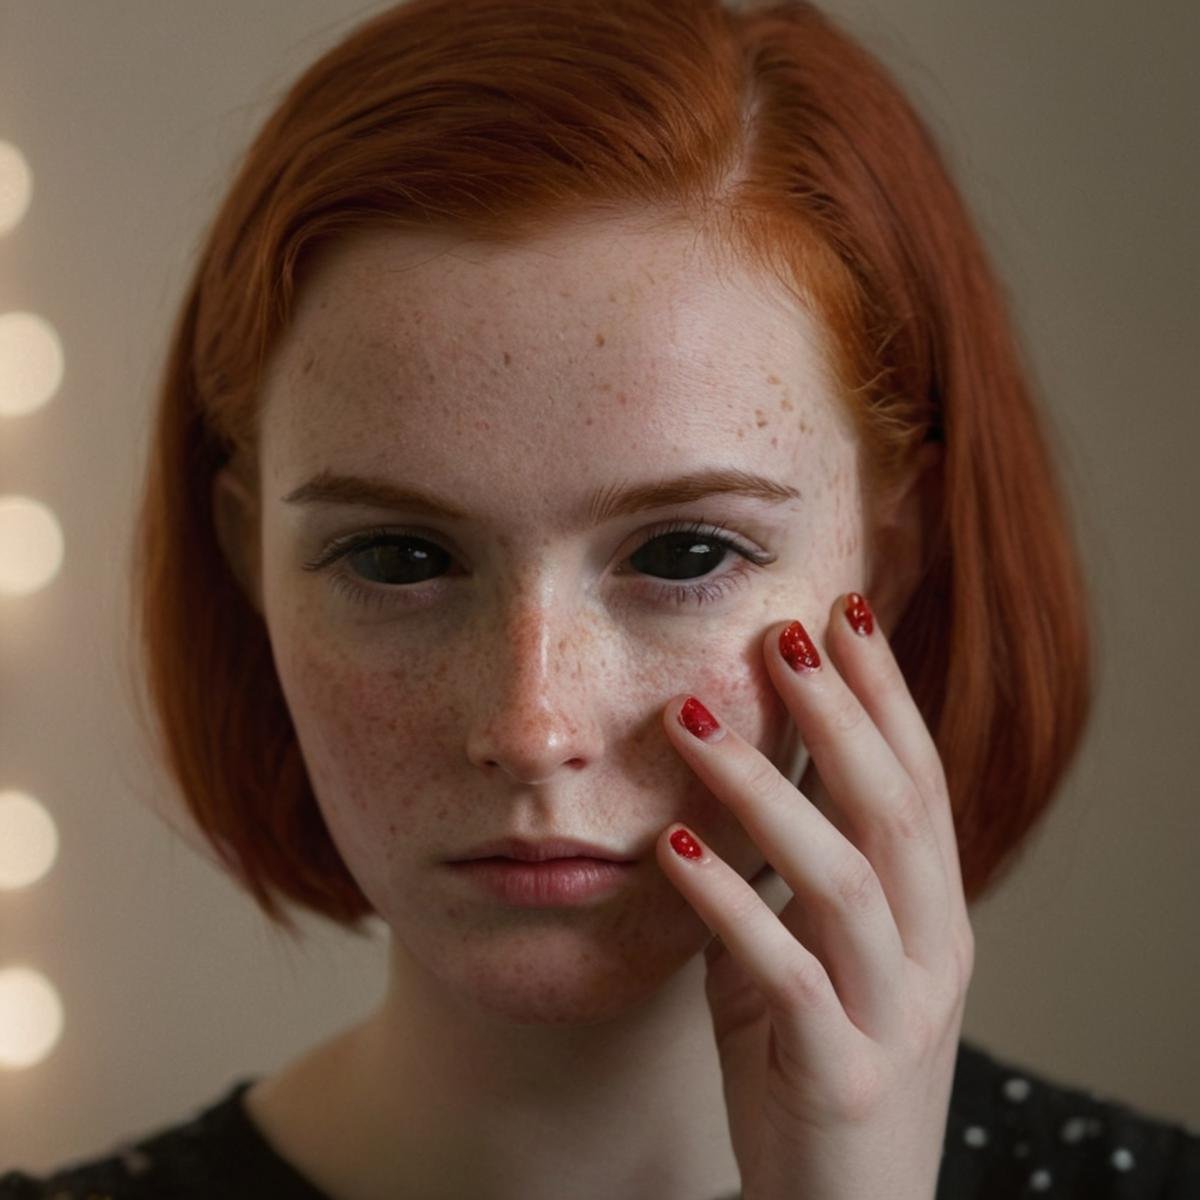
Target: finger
{"points": [[835, 887], [793, 981], [875, 802], [866, 662]]}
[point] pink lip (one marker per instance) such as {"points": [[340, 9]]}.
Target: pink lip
{"points": [[563, 881]]}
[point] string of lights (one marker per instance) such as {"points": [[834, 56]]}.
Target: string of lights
{"points": [[31, 555]]}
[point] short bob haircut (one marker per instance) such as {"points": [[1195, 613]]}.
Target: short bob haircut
{"points": [[767, 126]]}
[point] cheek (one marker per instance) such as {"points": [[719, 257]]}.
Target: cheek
{"points": [[370, 738], [384, 720]]}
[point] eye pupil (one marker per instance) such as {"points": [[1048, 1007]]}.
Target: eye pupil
{"points": [[679, 556], [398, 561], [689, 556]]}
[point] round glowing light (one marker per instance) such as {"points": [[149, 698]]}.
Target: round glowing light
{"points": [[31, 545], [28, 840], [31, 362], [16, 186], [31, 1017]]}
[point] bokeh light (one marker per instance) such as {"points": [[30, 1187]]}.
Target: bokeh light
{"points": [[31, 545], [28, 840], [31, 1017], [31, 362], [16, 186]]}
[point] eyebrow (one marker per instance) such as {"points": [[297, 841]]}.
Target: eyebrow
{"points": [[604, 504]]}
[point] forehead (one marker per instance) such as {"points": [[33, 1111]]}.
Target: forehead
{"points": [[615, 341]]}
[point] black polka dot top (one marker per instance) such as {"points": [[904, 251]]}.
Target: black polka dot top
{"points": [[1010, 1134]]}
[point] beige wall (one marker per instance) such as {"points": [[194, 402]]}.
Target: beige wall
{"points": [[1068, 125]]}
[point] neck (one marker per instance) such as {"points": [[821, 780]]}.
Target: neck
{"points": [[433, 1098], [526, 1067]]}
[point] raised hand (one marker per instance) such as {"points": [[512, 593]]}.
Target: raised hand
{"points": [[837, 1021]]}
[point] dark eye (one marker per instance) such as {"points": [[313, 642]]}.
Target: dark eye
{"points": [[399, 560], [396, 562], [681, 555]]}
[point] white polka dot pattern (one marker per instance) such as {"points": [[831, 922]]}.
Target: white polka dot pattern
{"points": [[1122, 1159], [1074, 1130], [1010, 1133], [975, 1135], [1013, 1133]]}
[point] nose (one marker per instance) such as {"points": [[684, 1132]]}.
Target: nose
{"points": [[535, 711]]}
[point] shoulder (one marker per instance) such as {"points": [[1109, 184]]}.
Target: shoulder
{"points": [[122, 1174], [191, 1158], [116, 1176], [1013, 1132]]}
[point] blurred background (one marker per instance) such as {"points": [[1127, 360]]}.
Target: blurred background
{"points": [[136, 982]]}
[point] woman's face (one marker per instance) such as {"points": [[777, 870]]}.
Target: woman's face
{"points": [[503, 671]]}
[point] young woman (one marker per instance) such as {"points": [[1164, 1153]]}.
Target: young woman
{"points": [[597, 522]]}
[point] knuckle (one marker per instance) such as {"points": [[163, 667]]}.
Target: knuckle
{"points": [[858, 1092], [740, 905], [836, 722], [761, 777], [847, 714], [964, 954], [933, 780], [925, 1030], [905, 813], [955, 976], [805, 983], [854, 884]]}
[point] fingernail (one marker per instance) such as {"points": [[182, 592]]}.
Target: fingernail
{"points": [[685, 845], [699, 722], [797, 648], [858, 613]]}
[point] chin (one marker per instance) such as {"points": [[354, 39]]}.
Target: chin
{"points": [[566, 976], [581, 1000]]}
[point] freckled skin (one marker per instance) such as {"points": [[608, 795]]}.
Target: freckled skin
{"points": [[528, 698]]}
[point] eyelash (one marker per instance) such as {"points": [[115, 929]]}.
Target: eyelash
{"points": [[699, 592]]}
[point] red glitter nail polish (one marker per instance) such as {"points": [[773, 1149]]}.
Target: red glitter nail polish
{"points": [[797, 648], [685, 845], [858, 613], [697, 720]]}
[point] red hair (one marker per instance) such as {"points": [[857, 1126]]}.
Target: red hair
{"points": [[770, 127]]}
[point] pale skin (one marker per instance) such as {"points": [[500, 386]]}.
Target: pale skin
{"points": [[528, 683]]}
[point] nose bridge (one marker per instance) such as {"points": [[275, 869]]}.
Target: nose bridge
{"points": [[534, 714], [532, 634]]}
